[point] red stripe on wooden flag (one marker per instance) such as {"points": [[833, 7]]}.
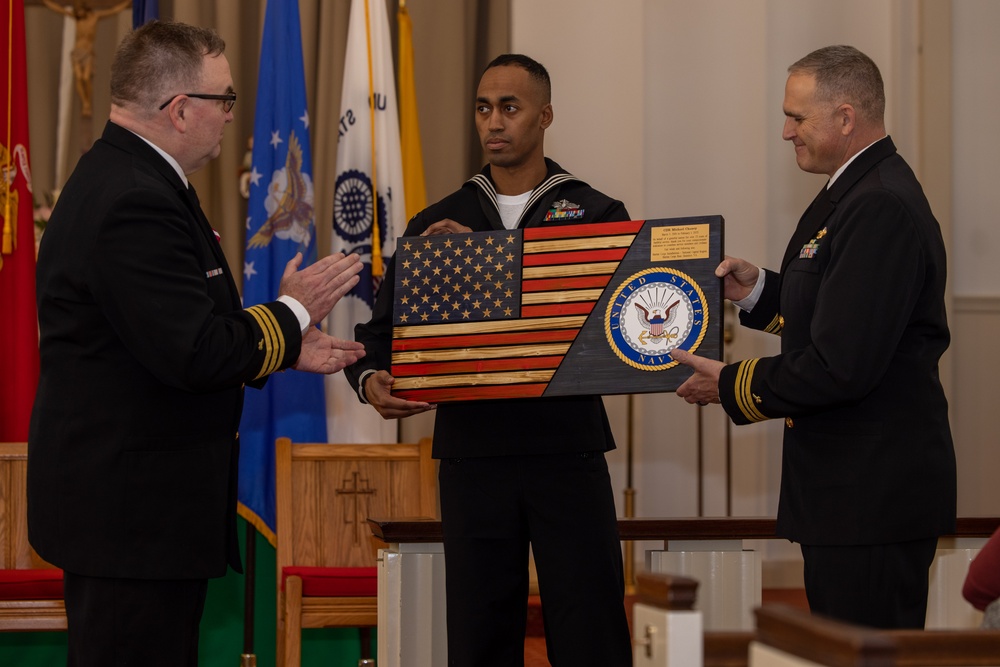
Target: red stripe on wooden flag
{"points": [[471, 393], [479, 340], [478, 366], [562, 284], [554, 309], [573, 231], [575, 257]]}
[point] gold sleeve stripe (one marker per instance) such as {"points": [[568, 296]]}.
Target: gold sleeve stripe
{"points": [[744, 395], [273, 339], [776, 325]]}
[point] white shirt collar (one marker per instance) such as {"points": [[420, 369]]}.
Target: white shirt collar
{"points": [[166, 156], [844, 166]]}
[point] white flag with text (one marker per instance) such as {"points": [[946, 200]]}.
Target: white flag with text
{"points": [[369, 202]]}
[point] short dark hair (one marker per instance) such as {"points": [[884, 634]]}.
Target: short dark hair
{"points": [[845, 74], [160, 59], [529, 65]]}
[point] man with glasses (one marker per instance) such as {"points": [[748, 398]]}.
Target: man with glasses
{"points": [[145, 350], [228, 99]]}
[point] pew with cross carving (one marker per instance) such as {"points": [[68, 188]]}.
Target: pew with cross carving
{"points": [[325, 554]]}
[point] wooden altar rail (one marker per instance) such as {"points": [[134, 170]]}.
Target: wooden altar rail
{"points": [[412, 568], [820, 640], [419, 530]]}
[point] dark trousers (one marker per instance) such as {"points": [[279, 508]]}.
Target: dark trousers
{"points": [[133, 622], [879, 585], [563, 506]]}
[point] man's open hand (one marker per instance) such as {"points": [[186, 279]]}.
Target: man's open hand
{"points": [[319, 286]]}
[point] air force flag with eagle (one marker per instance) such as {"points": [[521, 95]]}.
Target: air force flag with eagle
{"points": [[280, 223], [369, 206]]}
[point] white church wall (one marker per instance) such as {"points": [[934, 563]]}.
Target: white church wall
{"points": [[675, 107], [975, 89], [976, 242]]}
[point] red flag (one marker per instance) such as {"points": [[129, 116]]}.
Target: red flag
{"points": [[18, 317]]}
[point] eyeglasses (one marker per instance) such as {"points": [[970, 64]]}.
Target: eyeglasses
{"points": [[228, 99]]}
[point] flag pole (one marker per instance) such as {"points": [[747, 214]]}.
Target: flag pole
{"points": [[377, 268], [8, 224], [629, 496], [248, 658], [409, 122], [291, 403]]}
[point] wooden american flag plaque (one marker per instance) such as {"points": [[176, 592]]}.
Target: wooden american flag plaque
{"points": [[555, 310]]}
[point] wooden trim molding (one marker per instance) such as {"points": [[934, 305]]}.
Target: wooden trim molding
{"points": [[976, 304], [419, 529]]}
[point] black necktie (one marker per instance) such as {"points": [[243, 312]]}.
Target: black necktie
{"points": [[193, 196]]}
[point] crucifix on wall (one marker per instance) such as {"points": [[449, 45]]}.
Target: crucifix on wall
{"points": [[85, 17]]}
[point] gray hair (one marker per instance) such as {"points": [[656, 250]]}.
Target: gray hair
{"points": [[160, 59], [844, 74]]}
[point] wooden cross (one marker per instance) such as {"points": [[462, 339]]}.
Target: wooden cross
{"points": [[358, 487]]}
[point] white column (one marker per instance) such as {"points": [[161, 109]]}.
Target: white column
{"points": [[412, 630], [729, 579], [946, 608]]}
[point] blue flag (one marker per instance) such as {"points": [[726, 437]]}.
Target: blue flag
{"points": [[280, 222], [144, 11]]}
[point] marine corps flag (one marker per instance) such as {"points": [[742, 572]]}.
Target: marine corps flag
{"points": [[368, 201], [18, 315], [280, 222]]}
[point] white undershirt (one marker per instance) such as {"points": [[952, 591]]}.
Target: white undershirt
{"points": [[844, 166], [511, 207], [166, 156]]}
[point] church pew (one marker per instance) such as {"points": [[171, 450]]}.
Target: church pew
{"points": [[31, 590], [666, 628], [789, 637]]}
